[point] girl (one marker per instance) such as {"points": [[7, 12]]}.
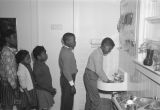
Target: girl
{"points": [[8, 69], [45, 90], [25, 76]]}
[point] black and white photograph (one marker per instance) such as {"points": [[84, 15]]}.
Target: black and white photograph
{"points": [[79, 54]]}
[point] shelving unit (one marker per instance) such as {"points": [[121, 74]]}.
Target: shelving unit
{"points": [[148, 71]]}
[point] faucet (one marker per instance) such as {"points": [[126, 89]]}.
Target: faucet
{"points": [[155, 98]]}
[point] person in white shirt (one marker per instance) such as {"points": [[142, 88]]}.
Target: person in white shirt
{"points": [[25, 78], [94, 71], [111, 61]]}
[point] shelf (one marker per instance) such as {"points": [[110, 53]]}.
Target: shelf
{"points": [[148, 71], [153, 19]]}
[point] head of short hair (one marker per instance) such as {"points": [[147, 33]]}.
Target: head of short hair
{"points": [[7, 34], [37, 51], [20, 56], [66, 36], [107, 41]]}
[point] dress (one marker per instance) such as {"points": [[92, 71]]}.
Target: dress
{"points": [[8, 76], [45, 90], [25, 81]]}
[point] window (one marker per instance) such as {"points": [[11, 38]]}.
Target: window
{"points": [[149, 25]]}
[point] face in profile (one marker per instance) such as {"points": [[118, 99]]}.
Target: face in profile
{"points": [[43, 56], [71, 42], [106, 49], [27, 59]]}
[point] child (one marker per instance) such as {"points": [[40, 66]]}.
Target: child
{"points": [[45, 90], [94, 71], [8, 72], [24, 72]]}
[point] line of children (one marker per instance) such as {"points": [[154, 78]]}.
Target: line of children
{"points": [[36, 84]]}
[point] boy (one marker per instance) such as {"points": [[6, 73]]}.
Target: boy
{"points": [[68, 69], [93, 71]]}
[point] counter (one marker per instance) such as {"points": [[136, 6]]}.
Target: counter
{"points": [[148, 71]]}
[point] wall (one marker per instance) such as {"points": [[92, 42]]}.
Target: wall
{"points": [[146, 87], [25, 14]]}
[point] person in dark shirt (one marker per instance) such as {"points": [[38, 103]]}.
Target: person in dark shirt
{"points": [[68, 70], [45, 90]]}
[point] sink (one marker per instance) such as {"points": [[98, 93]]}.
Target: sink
{"points": [[147, 104], [116, 86], [143, 102], [155, 105]]}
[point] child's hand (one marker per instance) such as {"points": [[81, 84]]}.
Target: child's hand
{"points": [[73, 90], [53, 92]]}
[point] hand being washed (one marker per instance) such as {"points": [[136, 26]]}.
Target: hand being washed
{"points": [[109, 81]]}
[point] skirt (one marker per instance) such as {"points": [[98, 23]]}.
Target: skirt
{"points": [[45, 99], [24, 100], [6, 94]]}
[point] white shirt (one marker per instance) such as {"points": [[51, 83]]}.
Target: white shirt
{"points": [[24, 78], [111, 61]]}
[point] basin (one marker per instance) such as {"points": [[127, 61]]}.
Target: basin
{"points": [[155, 105], [116, 86], [147, 104], [143, 102]]}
